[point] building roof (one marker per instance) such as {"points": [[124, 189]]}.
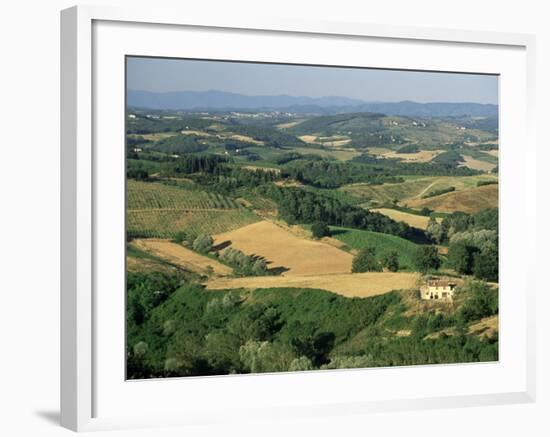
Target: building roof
{"points": [[440, 283]]}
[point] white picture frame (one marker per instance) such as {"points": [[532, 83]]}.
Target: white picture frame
{"points": [[88, 402]]}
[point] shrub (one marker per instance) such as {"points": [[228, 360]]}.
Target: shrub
{"points": [[320, 230], [203, 243], [485, 265], [365, 261], [482, 301], [391, 261], [427, 259], [461, 257]]}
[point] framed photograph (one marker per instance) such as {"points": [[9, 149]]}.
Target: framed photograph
{"points": [[271, 219]]}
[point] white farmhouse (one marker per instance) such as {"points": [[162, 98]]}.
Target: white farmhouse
{"points": [[438, 289]]}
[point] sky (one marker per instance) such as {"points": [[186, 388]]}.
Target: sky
{"points": [[164, 75]]}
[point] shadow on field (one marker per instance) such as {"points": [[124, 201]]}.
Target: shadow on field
{"points": [[222, 245]]}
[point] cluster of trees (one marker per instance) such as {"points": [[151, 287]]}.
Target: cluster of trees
{"points": [[188, 331], [271, 137], [190, 164], [483, 183], [427, 259], [203, 243], [324, 173], [449, 158], [301, 206], [137, 173], [181, 144], [320, 230], [243, 264], [366, 261], [409, 148], [442, 167], [375, 139], [472, 240], [438, 192]]}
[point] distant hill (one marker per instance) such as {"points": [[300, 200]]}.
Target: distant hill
{"points": [[224, 101]]}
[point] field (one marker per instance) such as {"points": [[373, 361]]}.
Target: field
{"points": [[146, 196], [153, 223], [156, 210], [477, 164], [413, 188], [285, 250], [181, 256], [244, 226], [421, 156], [345, 284], [469, 200], [417, 221], [340, 154], [383, 243]]}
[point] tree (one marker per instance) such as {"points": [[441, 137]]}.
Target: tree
{"points": [[485, 265], [365, 261], [391, 261], [180, 237], [461, 257], [435, 231], [203, 243], [320, 230], [427, 259]]}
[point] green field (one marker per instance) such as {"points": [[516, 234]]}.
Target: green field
{"points": [[384, 243]]}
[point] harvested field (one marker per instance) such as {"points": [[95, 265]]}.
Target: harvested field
{"points": [[245, 138], [341, 154], [289, 124], [477, 164], [418, 221], [491, 153], [310, 139], [346, 284], [470, 200], [158, 136], [283, 249], [144, 265], [422, 156], [181, 256]]}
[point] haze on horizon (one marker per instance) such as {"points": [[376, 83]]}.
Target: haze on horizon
{"points": [[254, 79]]}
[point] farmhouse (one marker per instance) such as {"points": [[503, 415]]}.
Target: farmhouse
{"points": [[438, 289]]}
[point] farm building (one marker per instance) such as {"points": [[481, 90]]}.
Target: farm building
{"points": [[438, 289]]}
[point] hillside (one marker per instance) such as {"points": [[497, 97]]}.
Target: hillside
{"points": [[383, 243], [285, 251], [469, 200], [282, 329], [413, 188], [157, 210]]}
